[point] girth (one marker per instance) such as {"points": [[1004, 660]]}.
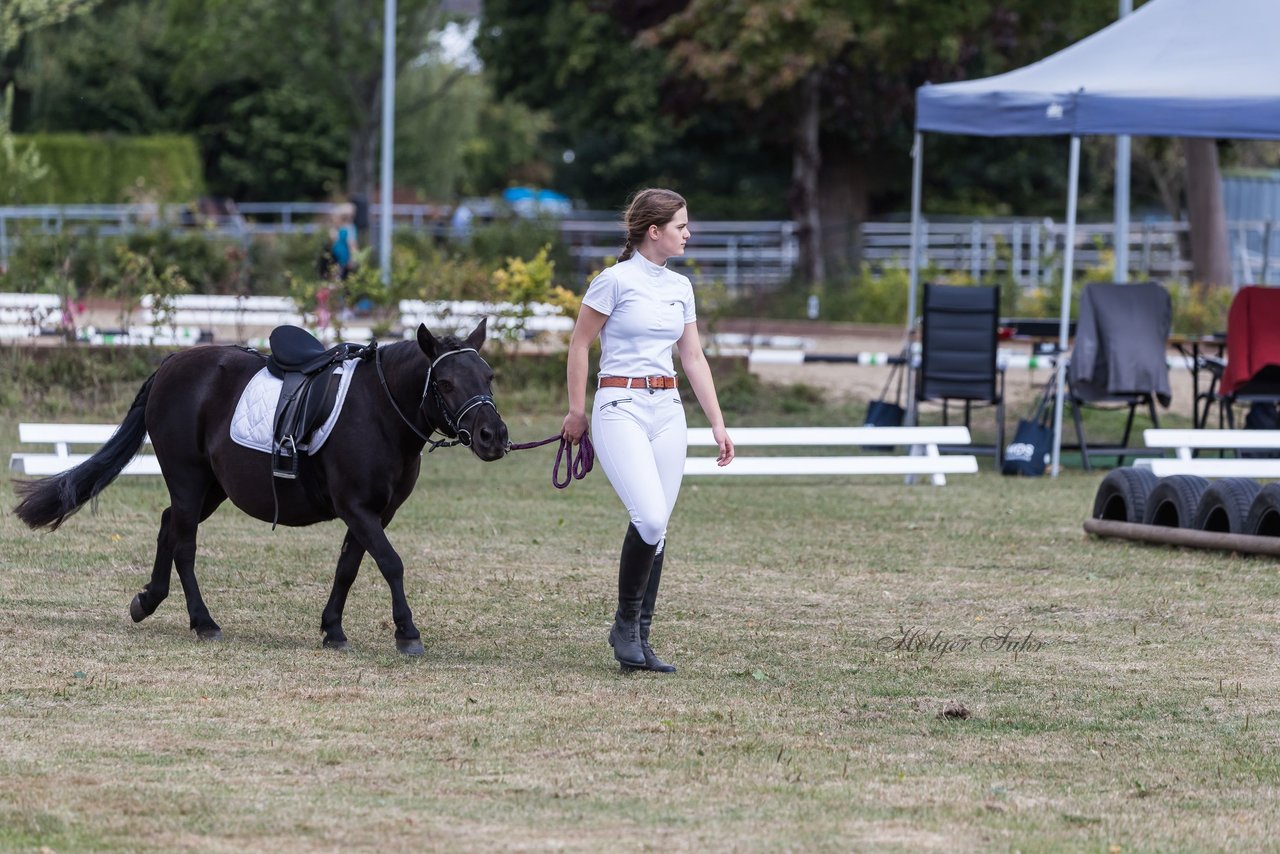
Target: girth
{"points": [[309, 392]]}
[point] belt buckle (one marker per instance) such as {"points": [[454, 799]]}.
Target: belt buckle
{"points": [[647, 386]]}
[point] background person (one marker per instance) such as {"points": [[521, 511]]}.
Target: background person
{"points": [[342, 239], [640, 309]]}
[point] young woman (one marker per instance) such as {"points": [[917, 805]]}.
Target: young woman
{"points": [[639, 309]]}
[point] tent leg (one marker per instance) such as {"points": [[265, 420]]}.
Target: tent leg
{"points": [[1068, 268], [913, 266]]}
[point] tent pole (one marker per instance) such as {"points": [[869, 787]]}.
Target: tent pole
{"points": [[1121, 238], [913, 265], [1064, 324]]}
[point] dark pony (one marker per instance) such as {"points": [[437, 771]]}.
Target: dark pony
{"points": [[399, 396]]}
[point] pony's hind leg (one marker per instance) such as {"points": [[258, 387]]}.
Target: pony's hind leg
{"points": [[176, 545], [345, 575], [156, 590]]}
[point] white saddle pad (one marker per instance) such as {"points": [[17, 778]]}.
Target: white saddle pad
{"points": [[255, 415]]}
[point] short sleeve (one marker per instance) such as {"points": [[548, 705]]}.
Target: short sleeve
{"points": [[690, 311], [602, 293]]}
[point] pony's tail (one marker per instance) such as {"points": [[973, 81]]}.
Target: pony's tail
{"points": [[46, 503]]}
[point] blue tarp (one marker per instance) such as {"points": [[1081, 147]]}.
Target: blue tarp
{"points": [[1206, 68]]}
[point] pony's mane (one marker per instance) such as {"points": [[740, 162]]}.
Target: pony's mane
{"points": [[403, 352]]}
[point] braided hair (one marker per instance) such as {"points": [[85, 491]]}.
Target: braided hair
{"points": [[652, 206]]}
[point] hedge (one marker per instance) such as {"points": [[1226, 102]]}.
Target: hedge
{"points": [[109, 169]]}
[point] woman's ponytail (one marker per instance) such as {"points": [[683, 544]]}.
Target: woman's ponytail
{"points": [[646, 208]]}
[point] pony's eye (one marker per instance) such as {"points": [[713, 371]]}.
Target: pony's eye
{"points": [[445, 386]]}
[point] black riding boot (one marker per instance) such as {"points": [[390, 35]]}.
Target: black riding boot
{"points": [[633, 578], [651, 661]]}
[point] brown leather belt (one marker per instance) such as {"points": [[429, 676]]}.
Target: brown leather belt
{"points": [[650, 383]]}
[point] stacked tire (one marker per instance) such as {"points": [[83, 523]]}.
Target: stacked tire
{"points": [[1232, 505]]}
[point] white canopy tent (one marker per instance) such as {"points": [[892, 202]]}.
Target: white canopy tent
{"points": [[1188, 68]]}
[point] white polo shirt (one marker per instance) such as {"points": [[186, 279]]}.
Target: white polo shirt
{"points": [[648, 307]]}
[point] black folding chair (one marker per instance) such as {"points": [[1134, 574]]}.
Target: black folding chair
{"points": [[958, 350]]}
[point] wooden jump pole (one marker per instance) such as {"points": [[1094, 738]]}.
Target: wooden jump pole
{"points": [[1243, 543]]}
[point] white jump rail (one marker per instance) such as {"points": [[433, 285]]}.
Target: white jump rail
{"points": [[923, 457], [184, 319], [63, 437], [29, 315], [1185, 442], [220, 310], [463, 315]]}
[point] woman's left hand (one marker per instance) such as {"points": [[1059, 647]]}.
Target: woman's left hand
{"points": [[721, 436]]}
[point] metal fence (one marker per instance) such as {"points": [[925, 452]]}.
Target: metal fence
{"points": [[742, 254]]}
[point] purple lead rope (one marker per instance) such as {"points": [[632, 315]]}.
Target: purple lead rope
{"points": [[577, 465]]}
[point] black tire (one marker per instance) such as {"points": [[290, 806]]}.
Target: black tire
{"points": [[1122, 495], [1263, 519], [1172, 502], [1224, 507]]}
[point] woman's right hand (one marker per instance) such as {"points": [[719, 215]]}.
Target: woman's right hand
{"points": [[575, 425]]}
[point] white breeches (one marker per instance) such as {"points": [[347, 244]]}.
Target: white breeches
{"points": [[640, 441]]}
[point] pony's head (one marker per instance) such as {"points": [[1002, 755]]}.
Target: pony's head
{"points": [[458, 398]]}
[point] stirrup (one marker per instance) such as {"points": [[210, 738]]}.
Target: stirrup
{"points": [[284, 460]]}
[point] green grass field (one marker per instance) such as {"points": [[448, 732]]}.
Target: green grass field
{"points": [[1119, 697]]}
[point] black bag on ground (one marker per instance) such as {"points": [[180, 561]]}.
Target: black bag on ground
{"points": [[1028, 454], [883, 412]]}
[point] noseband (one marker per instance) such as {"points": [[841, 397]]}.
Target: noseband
{"points": [[460, 435]]}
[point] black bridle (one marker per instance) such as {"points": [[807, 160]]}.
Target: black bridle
{"points": [[577, 465], [458, 435]]}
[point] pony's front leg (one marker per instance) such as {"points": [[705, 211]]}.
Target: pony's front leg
{"points": [[368, 530], [345, 575]]}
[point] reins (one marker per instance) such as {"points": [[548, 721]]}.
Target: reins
{"points": [[577, 465]]}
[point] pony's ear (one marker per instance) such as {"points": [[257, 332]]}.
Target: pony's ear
{"points": [[428, 342], [476, 339]]}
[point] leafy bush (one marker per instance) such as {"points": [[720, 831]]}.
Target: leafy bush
{"points": [[517, 237], [94, 169]]}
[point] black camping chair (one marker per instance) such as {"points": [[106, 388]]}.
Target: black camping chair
{"points": [[958, 350], [1119, 359]]}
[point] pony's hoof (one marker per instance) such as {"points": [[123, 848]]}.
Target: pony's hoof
{"points": [[343, 645], [136, 611], [209, 634], [411, 646]]}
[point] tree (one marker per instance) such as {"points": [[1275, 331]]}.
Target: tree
{"points": [[19, 18], [331, 49], [1206, 214], [841, 76], [619, 122]]}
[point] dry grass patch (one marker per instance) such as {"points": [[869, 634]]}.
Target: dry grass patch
{"points": [[1142, 716]]}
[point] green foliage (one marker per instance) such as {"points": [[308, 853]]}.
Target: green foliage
{"points": [[871, 295], [1199, 309], [113, 169], [284, 142], [52, 382], [526, 283], [517, 237], [20, 17], [107, 72], [138, 278], [20, 165]]}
